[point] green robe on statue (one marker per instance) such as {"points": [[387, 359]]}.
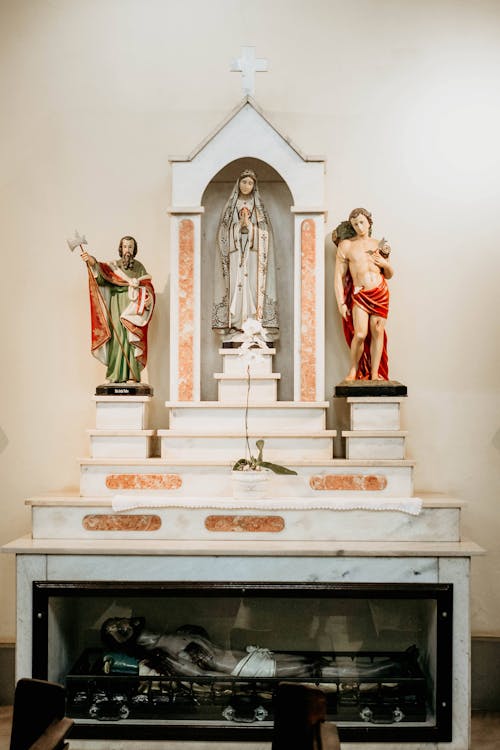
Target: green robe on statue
{"points": [[123, 348]]}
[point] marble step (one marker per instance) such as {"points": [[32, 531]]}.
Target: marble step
{"points": [[279, 447], [232, 388], [122, 412], [374, 443], [199, 519], [258, 361], [213, 416], [121, 443], [369, 413], [333, 478]]}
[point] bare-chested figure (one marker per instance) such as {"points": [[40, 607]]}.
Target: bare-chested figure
{"points": [[362, 295]]}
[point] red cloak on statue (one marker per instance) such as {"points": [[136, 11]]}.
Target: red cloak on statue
{"points": [[134, 317], [374, 302]]}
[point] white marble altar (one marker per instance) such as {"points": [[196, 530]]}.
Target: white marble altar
{"points": [[140, 516], [317, 526]]}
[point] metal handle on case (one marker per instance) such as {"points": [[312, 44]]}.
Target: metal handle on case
{"points": [[259, 714], [367, 715]]}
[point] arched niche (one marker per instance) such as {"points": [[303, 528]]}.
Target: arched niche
{"points": [[277, 200], [292, 185]]}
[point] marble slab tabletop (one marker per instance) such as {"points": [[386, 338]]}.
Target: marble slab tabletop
{"points": [[26, 545]]}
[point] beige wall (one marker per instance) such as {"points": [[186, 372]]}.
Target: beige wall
{"points": [[402, 99]]}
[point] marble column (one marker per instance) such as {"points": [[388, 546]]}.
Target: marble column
{"points": [[309, 333], [185, 305]]}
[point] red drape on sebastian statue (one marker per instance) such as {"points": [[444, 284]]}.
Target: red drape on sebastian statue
{"points": [[374, 302]]}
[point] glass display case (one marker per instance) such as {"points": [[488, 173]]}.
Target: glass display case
{"points": [[191, 661]]}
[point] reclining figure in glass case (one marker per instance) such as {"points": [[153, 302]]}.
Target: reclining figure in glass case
{"points": [[189, 652]]}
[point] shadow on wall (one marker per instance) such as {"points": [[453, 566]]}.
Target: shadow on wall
{"points": [[7, 676], [4, 440], [485, 685]]}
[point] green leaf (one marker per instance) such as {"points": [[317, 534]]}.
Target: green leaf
{"points": [[277, 468], [260, 447], [238, 466]]}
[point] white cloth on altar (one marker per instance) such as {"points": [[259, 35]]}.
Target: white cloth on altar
{"points": [[257, 662], [410, 505]]}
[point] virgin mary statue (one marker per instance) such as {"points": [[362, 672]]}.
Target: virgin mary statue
{"points": [[245, 272]]}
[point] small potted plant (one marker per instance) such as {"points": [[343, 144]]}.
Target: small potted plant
{"points": [[258, 464], [251, 474]]}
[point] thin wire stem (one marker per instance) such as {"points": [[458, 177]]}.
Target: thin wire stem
{"points": [[249, 454]]}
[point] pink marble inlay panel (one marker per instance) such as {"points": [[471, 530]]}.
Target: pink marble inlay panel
{"points": [[308, 311], [143, 481], [109, 522], [253, 524], [186, 310], [359, 482]]}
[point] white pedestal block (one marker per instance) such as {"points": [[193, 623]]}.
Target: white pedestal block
{"points": [[121, 412], [260, 363], [374, 445], [382, 413], [278, 448], [263, 388], [211, 416], [106, 477], [123, 444]]}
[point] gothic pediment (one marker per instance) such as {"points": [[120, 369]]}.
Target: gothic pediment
{"points": [[248, 133], [246, 102]]}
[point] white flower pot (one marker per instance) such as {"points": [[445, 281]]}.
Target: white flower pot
{"points": [[250, 485]]}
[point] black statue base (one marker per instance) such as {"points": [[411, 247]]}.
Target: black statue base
{"points": [[124, 389], [353, 388]]}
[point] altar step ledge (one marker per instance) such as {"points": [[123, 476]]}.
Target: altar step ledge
{"points": [[214, 416], [332, 478], [279, 447], [201, 520]]}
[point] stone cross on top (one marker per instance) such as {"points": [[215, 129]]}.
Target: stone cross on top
{"points": [[248, 65]]}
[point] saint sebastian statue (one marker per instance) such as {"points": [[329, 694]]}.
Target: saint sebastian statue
{"points": [[245, 273], [122, 300], [362, 294]]}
